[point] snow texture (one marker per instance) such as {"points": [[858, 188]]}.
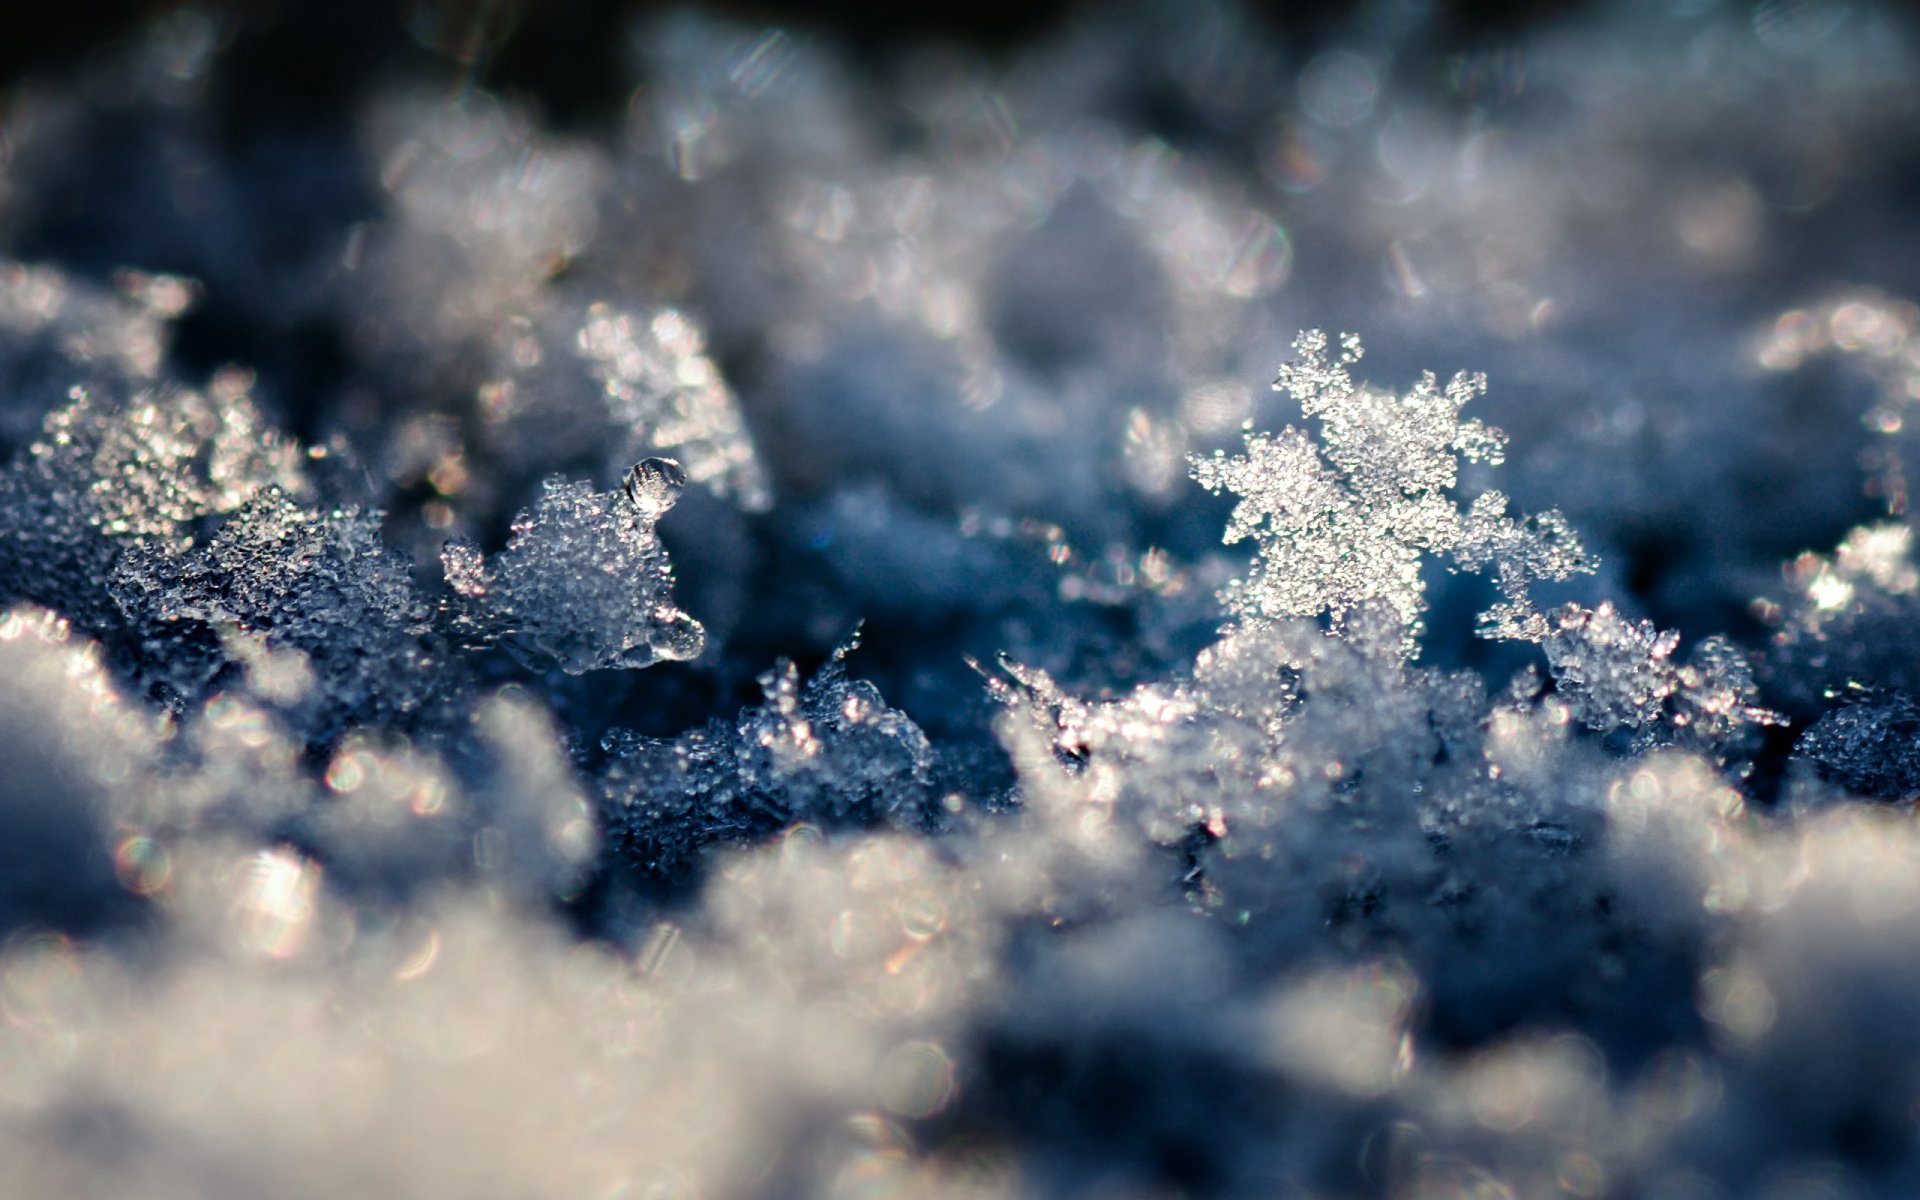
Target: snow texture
{"points": [[584, 580], [1519, 801]]}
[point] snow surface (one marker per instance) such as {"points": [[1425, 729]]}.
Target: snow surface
{"points": [[694, 656]]}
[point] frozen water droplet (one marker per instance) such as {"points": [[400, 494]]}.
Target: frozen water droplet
{"points": [[654, 485], [677, 636]]}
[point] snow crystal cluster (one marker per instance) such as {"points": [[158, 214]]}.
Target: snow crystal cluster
{"points": [[583, 580], [495, 607]]}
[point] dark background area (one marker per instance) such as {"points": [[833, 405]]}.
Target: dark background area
{"points": [[567, 53]]}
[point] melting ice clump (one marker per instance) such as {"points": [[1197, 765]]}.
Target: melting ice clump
{"points": [[1518, 802]]}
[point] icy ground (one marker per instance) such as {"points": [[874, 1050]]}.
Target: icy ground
{"points": [[692, 654]]}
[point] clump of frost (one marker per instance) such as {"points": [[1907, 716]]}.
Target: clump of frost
{"points": [[584, 582], [1351, 518], [118, 469], [1846, 620], [157, 459], [1620, 674], [317, 587], [827, 752], [1869, 744], [1842, 628]]}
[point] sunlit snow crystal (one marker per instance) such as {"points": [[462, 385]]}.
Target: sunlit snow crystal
{"points": [[1617, 673], [584, 581], [1350, 518], [159, 459], [116, 469]]}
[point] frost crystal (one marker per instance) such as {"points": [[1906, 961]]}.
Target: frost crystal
{"points": [[1870, 745], [112, 470], [279, 577], [1620, 674], [1350, 519], [584, 581], [828, 751]]}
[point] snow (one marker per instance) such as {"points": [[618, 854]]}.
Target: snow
{"points": [[1517, 801]]}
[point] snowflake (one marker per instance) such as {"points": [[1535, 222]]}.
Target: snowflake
{"points": [[1350, 518]]}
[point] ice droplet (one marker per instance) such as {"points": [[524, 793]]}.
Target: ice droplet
{"points": [[654, 485], [677, 637]]}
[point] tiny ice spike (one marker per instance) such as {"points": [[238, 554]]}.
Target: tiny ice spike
{"points": [[1349, 519], [584, 581]]}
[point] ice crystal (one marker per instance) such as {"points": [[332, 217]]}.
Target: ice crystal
{"points": [[1620, 674], [828, 751], [1869, 745], [113, 470], [287, 578], [583, 581], [1352, 517]]}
